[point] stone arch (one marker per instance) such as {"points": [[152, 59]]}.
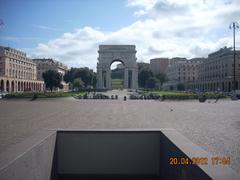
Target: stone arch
{"points": [[126, 54], [22, 88], [7, 86], [19, 86], [2, 85], [12, 86], [38, 87]]}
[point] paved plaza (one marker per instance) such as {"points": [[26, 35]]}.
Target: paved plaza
{"points": [[213, 126]]}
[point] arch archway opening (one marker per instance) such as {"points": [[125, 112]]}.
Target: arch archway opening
{"points": [[7, 86], [1, 85], [12, 86], [117, 74]]}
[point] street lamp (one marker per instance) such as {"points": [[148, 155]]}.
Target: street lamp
{"points": [[234, 26]]}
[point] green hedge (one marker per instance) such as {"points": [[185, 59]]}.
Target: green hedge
{"points": [[43, 95], [176, 95]]}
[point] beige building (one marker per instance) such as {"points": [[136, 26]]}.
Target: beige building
{"points": [[183, 71], [17, 72], [44, 65], [216, 72], [159, 65]]}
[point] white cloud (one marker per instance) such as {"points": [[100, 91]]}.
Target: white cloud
{"points": [[170, 28]]}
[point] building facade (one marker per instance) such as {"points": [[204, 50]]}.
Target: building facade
{"points": [[143, 65], [159, 65], [183, 71], [44, 65], [17, 72], [216, 72]]}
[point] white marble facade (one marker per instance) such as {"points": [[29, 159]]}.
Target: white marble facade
{"points": [[126, 54]]}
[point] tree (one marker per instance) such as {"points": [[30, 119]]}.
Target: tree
{"points": [[78, 84], [162, 78], [143, 77], [86, 75], [94, 80], [52, 79], [60, 86], [151, 82], [180, 87]]}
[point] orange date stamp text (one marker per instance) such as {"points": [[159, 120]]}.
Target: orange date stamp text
{"points": [[214, 161]]}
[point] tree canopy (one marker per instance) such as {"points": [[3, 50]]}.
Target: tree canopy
{"points": [[87, 76], [162, 78], [52, 79], [143, 77], [78, 84], [152, 82]]}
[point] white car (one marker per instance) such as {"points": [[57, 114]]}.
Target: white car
{"points": [[2, 94]]}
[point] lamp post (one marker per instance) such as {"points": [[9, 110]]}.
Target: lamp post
{"points": [[234, 26]]}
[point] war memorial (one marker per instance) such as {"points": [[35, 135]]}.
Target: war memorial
{"points": [[108, 54]]}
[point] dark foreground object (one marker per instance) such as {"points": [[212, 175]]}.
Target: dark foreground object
{"points": [[111, 154], [202, 98]]}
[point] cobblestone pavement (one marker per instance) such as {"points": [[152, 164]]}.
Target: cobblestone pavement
{"points": [[213, 126]]}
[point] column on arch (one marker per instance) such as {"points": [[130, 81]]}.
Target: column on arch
{"points": [[126, 78], [9, 86], [108, 78]]}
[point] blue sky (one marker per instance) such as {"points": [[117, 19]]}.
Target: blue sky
{"points": [[28, 22], [71, 30]]}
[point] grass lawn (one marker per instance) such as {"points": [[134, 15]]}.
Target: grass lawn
{"points": [[117, 83]]}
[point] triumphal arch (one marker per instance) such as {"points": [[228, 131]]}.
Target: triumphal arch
{"points": [[126, 54]]}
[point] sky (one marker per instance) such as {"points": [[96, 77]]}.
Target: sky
{"points": [[71, 30]]}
